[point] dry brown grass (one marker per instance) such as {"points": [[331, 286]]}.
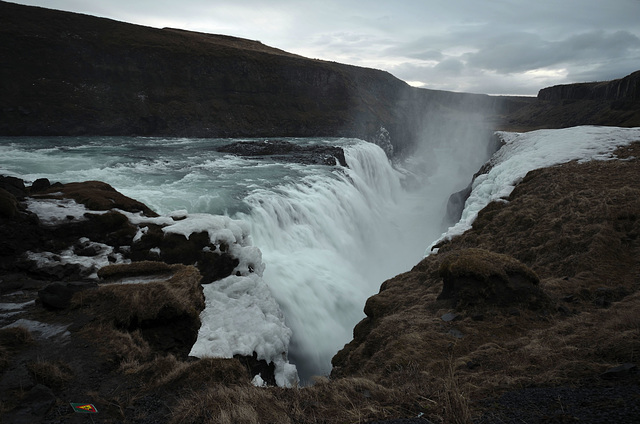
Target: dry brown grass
{"points": [[136, 269], [54, 374], [126, 305], [118, 346], [11, 340], [352, 400]]}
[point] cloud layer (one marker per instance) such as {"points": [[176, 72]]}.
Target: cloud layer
{"points": [[494, 47]]}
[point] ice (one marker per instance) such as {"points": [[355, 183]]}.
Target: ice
{"points": [[524, 152], [241, 317]]}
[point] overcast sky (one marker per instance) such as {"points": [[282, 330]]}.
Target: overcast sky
{"points": [[479, 46]]}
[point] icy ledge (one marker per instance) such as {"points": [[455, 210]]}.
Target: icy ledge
{"points": [[524, 152]]}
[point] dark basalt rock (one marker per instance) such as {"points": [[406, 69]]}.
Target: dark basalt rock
{"points": [[41, 184], [288, 152], [261, 367], [13, 185]]}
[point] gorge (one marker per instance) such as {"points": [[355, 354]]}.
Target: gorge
{"points": [[254, 159]]}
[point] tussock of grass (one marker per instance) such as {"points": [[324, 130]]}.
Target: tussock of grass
{"points": [[482, 265], [170, 372], [351, 400], [135, 269], [11, 340], [229, 405], [119, 346], [127, 305], [54, 374]]}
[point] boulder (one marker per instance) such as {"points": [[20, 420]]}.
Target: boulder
{"points": [[99, 196], [13, 185], [477, 277], [41, 184], [8, 204]]}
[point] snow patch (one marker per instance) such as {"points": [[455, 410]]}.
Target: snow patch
{"points": [[53, 212], [88, 264], [524, 152]]}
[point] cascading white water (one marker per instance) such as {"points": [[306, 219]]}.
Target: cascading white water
{"points": [[328, 244], [329, 236]]}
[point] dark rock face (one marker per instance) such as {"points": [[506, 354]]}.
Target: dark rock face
{"points": [[289, 152], [75, 74], [614, 102], [627, 89]]}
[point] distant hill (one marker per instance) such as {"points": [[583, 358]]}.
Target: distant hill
{"points": [[72, 74]]}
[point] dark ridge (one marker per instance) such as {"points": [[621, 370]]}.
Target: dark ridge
{"points": [[73, 74], [614, 103]]}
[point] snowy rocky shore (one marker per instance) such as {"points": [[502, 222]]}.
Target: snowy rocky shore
{"points": [[65, 242]]}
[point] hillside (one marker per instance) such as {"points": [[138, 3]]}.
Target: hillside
{"points": [[72, 74]]}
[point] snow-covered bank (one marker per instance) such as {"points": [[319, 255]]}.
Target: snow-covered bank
{"points": [[524, 152], [240, 316]]}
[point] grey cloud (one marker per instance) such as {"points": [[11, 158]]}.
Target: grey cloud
{"points": [[524, 52], [450, 66]]}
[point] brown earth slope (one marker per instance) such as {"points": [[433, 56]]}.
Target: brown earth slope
{"points": [[577, 227]]}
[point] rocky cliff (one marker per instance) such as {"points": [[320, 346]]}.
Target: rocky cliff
{"points": [[627, 89], [72, 74], [614, 102]]}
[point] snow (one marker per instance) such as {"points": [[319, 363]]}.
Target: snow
{"points": [[241, 317], [524, 152], [53, 212], [15, 306], [89, 264]]}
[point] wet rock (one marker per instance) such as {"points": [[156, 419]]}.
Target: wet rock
{"points": [[383, 140], [620, 372], [259, 367], [455, 204], [8, 204], [289, 152], [450, 316], [41, 184], [99, 196], [13, 185], [37, 402]]}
